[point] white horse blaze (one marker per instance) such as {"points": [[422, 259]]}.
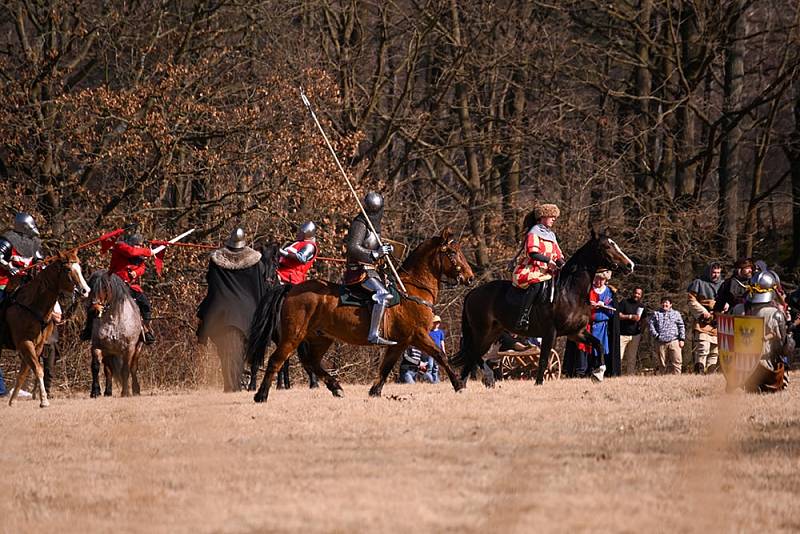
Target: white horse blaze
{"points": [[76, 268], [616, 247]]}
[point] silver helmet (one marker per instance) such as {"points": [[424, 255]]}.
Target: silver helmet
{"points": [[307, 230], [373, 203], [236, 241], [762, 287], [25, 225]]}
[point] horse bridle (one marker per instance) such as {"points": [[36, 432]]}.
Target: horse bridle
{"points": [[451, 255]]}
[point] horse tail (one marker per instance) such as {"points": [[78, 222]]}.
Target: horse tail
{"points": [[265, 325], [116, 367], [459, 358]]}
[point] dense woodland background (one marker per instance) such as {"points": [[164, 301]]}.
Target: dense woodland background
{"points": [[674, 124]]}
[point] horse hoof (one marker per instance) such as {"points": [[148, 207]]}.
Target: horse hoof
{"points": [[260, 397], [338, 392], [107, 394], [94, 394], [375, 391], [44, 404], [539, 382]]}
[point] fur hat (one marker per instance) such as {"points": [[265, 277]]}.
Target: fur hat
{"points": [[546, 210]]}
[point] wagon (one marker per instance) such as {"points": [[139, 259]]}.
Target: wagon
{"points": [[522, 365]]}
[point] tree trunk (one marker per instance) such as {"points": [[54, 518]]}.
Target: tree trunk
{"points": [[730, 161]]}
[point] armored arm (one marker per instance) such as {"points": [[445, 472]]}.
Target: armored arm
{"points": [[305, 254], [5, 257], [355, 240]]}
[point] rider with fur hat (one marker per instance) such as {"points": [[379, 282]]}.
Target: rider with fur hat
{"points": [[541, 260]]}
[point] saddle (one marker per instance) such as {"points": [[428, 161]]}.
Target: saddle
{"points": [[355, 295], [515, 297]]}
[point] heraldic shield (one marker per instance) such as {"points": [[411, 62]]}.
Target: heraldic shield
{"points": [[741, 342]]}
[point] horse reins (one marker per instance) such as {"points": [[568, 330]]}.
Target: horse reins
{"points": [[451, 255]]}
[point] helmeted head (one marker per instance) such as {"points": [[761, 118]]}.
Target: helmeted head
{"points": [[762, 287], [307, 230], [25, 225], [373, 203], [236, 241]]}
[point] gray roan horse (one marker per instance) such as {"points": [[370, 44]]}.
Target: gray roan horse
{"points": [[116, 333]]}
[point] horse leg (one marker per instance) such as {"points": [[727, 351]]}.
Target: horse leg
{"points": [[96, 358], [544, 357], [22, 375], [108, 371], [388, 362], [125, 375], [276, 360], [31, 357], [424, 343], [134, 366], [310, 353]]}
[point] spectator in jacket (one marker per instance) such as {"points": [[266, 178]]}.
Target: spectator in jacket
{"points": [[669, 335]]}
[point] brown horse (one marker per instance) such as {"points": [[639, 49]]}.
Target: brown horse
{"points": [[27, 316], [311, 312], [487, 312]]}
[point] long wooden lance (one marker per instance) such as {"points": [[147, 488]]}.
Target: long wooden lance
{"points": [[73, 249], [352, 189]]}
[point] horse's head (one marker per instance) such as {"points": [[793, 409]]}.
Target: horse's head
{"points": [[610, 255], [70, 276], [454, 264]]}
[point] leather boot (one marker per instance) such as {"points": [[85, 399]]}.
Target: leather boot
{"points": [[375, 324], [524, 317], [149, 338]]}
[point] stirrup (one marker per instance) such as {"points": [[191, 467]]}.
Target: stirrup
{"points": [[378, 340], [149, 338]]}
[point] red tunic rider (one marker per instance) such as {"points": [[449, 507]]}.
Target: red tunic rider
{"points": [[293, 265], [128, 262], [298, 258], [541, 261]]}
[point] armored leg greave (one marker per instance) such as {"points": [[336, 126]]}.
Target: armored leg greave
{"points": [[381, 297]]}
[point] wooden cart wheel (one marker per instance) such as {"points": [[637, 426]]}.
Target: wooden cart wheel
{"points": [[553, 371]]}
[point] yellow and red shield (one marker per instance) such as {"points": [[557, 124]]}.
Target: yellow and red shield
{"points": [[741, 340]]}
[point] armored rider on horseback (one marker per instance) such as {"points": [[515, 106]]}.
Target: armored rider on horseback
{"points": [[540, 262], [363, 253], [19, 248]]}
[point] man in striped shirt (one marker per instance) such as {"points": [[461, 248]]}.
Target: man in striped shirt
{"points": [[669, 333]]}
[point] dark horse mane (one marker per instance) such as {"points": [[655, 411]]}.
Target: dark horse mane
{"points": [[421, 251], [114, 285], [578, 263]]}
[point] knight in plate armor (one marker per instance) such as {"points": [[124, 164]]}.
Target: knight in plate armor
{"points": [[19, 249], [364, 251]]}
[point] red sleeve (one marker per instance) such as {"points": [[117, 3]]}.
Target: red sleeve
{"points": [[531, 243], [132, 252]]}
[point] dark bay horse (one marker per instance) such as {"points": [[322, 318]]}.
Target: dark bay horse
{"points": [[311, 312], [27, 312], [486, 311], [117, 334]]}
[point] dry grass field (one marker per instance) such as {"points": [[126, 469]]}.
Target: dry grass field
{"points": [[643, 454]]}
